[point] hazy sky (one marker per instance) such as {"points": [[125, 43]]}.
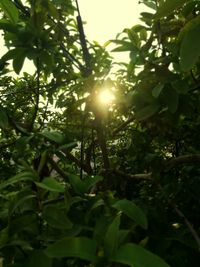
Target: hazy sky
{"points": [[105, 18]]}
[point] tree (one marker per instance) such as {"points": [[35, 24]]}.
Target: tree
{"points": [[83, 185]]}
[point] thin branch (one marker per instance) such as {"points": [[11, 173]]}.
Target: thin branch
{"points": [[85, 167], [181, 215], [55, 166], [185, 159], [7, 145], [189, 225], [122, 126], [138, 176], [53, 201], [37, 97], [102, 141]]}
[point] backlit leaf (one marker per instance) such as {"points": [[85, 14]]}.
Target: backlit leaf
{"points": [[168, 7], [157, 90], [190, 45], [9, 27], [54, 136], [18, 60], [10, 10], [147, 112]]}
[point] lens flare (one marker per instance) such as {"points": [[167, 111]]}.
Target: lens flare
{"points": [[106, 97]]}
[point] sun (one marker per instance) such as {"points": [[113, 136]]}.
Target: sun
{"points": [[106, 97]]}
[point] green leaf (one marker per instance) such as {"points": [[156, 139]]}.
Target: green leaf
{"points": [[3, 118], [8, 27], [54, 136], [132, 211], [190, 45], [149, 4], [171, 98], [124, 46], [83, 186], [51, 184], [68, 146], [77, 247], [22, 142], [147, 112], [111, 237], [136, 256], [10, 10], [38, 258], [157, 90], [18, 60], [9, 55], [23, 176], [56, 217], [168, 7], [20, 199], [23, 222]]}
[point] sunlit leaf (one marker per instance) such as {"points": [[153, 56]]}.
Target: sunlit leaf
{"points": [[7, 26], [18, 60], [168, 6], [147, 112], [136, 256], [10, 10], [54, 136], [190, 45], [132, 211], [77, 247], [124, 46]]}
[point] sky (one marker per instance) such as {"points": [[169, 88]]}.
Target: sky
{"points": [[104, 20]]}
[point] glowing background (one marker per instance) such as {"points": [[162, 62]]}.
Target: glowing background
{"points": [[105, 19]]}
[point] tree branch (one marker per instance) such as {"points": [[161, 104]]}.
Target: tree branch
{"points": [[138, 176], [185, 159], [123, 125], [189, 225], [55, 166]]}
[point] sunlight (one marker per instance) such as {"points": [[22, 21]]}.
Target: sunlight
{"points": [[106, 97]]}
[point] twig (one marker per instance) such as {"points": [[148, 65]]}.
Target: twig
{"points": [[55, 166], [185, 159], [189, 225], [123, 126]]}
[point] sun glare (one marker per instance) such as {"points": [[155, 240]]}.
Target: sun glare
{"points": [[106, 97]]}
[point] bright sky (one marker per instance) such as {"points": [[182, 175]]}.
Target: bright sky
{"points": [[105, 19]]}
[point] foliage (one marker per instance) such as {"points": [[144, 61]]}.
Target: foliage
{"points": [[84, 184]]}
